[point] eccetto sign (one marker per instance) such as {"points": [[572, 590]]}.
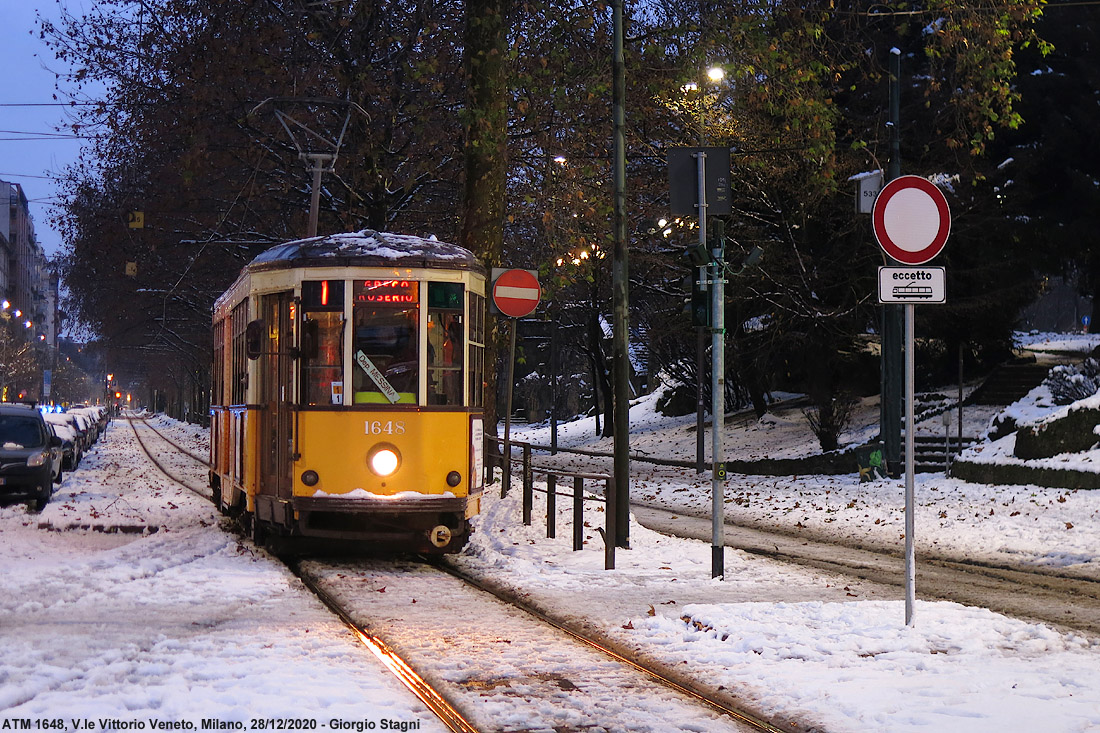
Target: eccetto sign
{"points": [[912, 285]]}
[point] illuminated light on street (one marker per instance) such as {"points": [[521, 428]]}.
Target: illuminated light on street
{"points": [[560, 160], [716, 73]]}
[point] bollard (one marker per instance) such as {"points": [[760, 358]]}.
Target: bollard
{"points": [[505, 473], [528, 489], [578, 513], [609, 528], [551, 505]]}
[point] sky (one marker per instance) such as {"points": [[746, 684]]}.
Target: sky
{"points": [[30, 145], [205, 615]]}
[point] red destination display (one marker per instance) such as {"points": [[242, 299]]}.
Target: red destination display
{"points": [[386, 291]]}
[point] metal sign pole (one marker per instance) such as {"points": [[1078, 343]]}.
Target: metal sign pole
{"points": [[717, 385], [507, 468], [910, 434], [718, 404]]}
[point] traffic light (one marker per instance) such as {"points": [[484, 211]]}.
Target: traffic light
{"points": [[698, 305], [697, 255]]}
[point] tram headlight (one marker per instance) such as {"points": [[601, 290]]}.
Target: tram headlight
{"points": [[384, 459], [310, 478]]}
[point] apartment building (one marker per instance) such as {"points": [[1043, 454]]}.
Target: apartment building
{"points": [[26, 283]]}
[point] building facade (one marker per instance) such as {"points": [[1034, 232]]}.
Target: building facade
{"points": [[28, 287]]}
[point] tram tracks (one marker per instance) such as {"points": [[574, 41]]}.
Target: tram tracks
{"points": [[480, 621], [169, 471]]}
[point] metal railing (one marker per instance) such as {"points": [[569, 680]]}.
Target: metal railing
{"points": [[529, 470]]}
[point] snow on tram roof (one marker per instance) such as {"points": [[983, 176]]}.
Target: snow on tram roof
{"points": [[370, 245]]}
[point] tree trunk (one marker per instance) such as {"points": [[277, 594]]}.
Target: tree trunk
{"points": [[486, 123]]}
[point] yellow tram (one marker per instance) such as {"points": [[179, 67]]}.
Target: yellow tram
{"points": [[347, 390]]}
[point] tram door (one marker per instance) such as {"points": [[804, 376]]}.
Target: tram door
{"points": [[276, 438]]}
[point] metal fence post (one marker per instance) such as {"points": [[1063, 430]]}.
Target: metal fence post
{"points": [[578, 513], [505, 471], [528, 498], [609, 527], [551, 505]]}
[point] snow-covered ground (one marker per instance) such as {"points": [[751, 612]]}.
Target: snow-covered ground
{"points": [[191, 622]]}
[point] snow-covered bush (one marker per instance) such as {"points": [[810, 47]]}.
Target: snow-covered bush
{"points": [[1069, 383]]}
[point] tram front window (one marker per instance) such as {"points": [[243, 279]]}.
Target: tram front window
{"points": [[324, 378], [385, 363], [322, 368]]}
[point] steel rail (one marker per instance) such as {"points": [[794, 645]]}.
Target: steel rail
{"points": [[447, 713], [431, 698], [172, 477], [740, 716], [174, 444]]}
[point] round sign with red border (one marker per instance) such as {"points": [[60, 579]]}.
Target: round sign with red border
{"points": [[911, 220], [516, 293]]}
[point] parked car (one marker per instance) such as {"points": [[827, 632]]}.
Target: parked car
{"points": [[76, 423], [30, 456], [70, 444]]}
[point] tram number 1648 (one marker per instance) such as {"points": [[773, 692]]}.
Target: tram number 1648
{"points": [[385, 427]]}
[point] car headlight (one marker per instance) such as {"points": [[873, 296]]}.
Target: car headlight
{"points": [[384, 459], [37, 459]]}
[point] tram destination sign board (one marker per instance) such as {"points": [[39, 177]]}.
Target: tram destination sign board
{"points": [[912, 285]]}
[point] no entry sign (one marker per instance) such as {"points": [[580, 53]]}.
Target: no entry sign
{"points": [[911, 220], [516, 293]]}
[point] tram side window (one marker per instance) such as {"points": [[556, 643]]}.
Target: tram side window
{"points": [[322, 369], [446, 343], [477, 350], [239, 358], [385, 363], [217, 371]]}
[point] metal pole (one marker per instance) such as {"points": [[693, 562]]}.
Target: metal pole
{"points": [[717, 386], [578, 513], [315, 198], [506, 484], [700, 402], [960, 396], [910, 431], [892, 316], [609, 528], [620, 294], [528, 486], [551, 505], [718, 405], [553, 389]]}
